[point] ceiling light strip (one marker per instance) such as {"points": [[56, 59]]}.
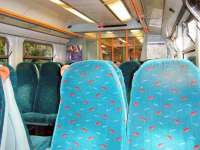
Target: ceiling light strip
{"points": [[72, 10], [119, 9]]}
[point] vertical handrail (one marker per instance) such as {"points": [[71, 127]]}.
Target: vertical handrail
{"points": [[113, 56], [100, 48], [140, 15], [127, 51]]}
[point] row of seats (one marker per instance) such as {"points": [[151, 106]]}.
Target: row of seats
{"points": [[163, 112], [13, 135], [38, 92]]}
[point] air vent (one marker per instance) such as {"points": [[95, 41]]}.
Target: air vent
{"points": [[112, 26]]}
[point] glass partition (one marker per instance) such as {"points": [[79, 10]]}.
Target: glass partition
{"points": [[117, 46], [121, 46]]}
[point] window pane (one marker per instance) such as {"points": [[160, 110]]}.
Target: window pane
{"points": [[3, 61], [36, 60], [37, 51], [3, 50], [192, 29], [3, 46]]}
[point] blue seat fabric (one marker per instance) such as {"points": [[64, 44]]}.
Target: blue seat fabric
{"points": [[92, 112], [164, 111]]}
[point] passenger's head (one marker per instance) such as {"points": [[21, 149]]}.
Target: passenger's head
{"points": [[4, 72], [63, 69]]}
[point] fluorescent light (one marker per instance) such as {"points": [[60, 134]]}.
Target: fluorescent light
{"points": [[109, 32], [77, 13], [141, 39], [121, 40], [72, 10], [119, 9], [58, 2], [103, 46], [137, 32], [192, 29]]}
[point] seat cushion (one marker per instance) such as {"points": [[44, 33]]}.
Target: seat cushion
{"points": [[40, 142], [92, 112], [33, 118], [164, 111]]}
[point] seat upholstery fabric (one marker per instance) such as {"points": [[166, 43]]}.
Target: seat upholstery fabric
{"points": [[27, 80], [128, 69], [120, 75], [34, 118], [16, 135], [2, 111], [48, 95], [165, 107], [92, 112]]}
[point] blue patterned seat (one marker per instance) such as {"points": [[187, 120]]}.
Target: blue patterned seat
{"points": [[92, 112], [164, 111], [121, 78]]}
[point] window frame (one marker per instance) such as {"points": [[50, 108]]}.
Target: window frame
{"points": [[38, 57], [188, 29]]}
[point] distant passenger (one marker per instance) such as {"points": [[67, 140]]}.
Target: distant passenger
{"points": [[63, 69], [117, 63]]}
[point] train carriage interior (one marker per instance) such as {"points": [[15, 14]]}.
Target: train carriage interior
{"points": [[100, 74]]}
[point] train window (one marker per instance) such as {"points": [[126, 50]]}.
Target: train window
{"points": [[37, 52], [192, 29], [3, 50]]}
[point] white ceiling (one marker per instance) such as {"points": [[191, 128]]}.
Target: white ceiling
{"points": [[48, 12], [94, 9]]}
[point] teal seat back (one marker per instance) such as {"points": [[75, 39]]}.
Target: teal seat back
{"points": [[48, 92], [2, 110], [27, 80], [92, 111], [128, 69], [13, 78], [164, 111]]}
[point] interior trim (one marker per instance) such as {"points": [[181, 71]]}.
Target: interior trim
{"points": [[37, 22], [178, 19]]}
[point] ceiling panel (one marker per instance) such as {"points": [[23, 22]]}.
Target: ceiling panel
{"points": [[95, 10], [25, 25], [153, 12], [42, 10]]}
